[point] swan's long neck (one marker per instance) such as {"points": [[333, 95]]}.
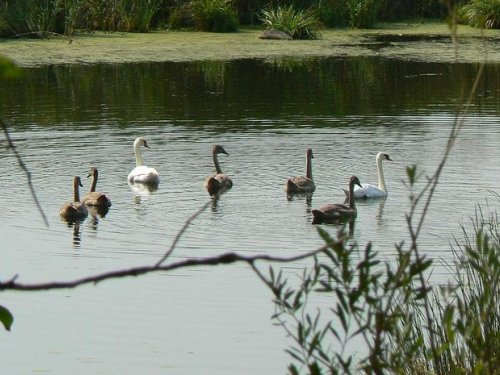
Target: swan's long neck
{"points": [[76, 190], [94, 181], [352, 204], [381, 179], [138, 156], [216, 162], [309, 173]]}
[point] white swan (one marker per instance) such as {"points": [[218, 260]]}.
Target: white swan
{"points": [[141, 173], [372, 191], [302, 184], [75, 210]]}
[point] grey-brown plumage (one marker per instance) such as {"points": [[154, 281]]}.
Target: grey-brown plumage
{"points": [[95, 198], [302, 184], [76, 210], [219, 182], [333, 213]]}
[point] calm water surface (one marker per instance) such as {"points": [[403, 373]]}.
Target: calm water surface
{"points": [[265, 113]]}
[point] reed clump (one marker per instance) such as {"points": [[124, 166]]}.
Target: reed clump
{"points": [[298, 23]]}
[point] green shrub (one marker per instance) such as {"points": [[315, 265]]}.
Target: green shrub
{"points": [[179, 17], [299, 24], [363, 13], [481, 13], [334, 13], [214, 15]]}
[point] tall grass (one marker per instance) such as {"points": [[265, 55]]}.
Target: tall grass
{"points": [[43, 17], [115, 15], [31, 17]]}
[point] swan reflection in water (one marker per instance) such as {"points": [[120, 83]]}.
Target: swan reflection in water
{"points": [[214, 199], [96, 213], [143, 190], [301, 196], [76, 232]]}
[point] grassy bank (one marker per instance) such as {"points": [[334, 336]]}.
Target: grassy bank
{"points": [[421, 42]]}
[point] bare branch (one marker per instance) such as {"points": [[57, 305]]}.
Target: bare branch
{"points": [[227, 258], [26, 171]]}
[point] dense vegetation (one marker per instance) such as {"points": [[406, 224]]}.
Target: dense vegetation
{"points": [[41, 18]]}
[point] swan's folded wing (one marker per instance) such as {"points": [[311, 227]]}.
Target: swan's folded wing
{"points": [[144, 174], [368, 191]]}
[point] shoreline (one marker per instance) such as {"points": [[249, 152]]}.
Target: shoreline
{"points": [[424, 42]]}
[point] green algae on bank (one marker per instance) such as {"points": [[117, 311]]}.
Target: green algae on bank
{"points": [[420, 42]]}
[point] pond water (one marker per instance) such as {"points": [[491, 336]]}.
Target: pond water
{"points": [[63, 119]]}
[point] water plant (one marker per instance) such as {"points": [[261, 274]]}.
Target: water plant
{"points": [[298, 23]]}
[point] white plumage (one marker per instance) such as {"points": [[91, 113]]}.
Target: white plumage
{"points": [[373, 191], [142, 173]]}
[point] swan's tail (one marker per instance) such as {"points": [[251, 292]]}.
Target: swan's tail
{"points": [[213, 186], [290, 186], [103, 201]]}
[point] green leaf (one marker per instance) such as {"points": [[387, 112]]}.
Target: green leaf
{"points": [[411, 172], [6, 318], [293, 370]]}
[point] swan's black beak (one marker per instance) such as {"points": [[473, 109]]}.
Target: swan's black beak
{"points": [[356, 182], [146, 144]]}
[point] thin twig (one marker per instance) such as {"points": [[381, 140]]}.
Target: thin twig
{"points": [[181, 232], [26, 171]]}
